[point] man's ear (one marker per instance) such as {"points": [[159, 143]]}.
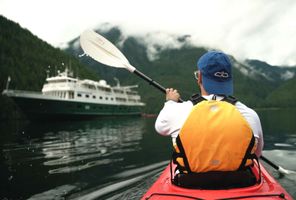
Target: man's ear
{"points": [[199, 78]]}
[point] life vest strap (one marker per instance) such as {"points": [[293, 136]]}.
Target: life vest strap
{"points": [[230, 99], [255, 157], [196, 98], [248, 154], [182, 155]]}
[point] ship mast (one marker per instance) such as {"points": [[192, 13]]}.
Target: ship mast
{"points": [[7, 83]]}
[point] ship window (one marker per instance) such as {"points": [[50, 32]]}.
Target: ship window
{"points": [[91, 87], [71, 95], [79, 95], [112, 98], [120, 99], [94, 97], [118, 91], [106, 98], [86, 95], [101, 97], [132, 100], [104, 89], [131, 92]]}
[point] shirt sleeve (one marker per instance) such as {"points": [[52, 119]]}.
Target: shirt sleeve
{"points": [[254, 121], [172, 117], [258, 133]]}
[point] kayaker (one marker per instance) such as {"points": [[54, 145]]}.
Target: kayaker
{"points": [[213, 130]]}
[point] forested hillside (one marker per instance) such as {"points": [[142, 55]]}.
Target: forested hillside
{"points": [[254, 82], [283, 96], [25, 58]]}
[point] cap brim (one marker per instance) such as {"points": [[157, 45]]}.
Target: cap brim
{"points": [[214, 87]]}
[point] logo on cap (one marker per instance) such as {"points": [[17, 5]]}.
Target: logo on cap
{"points": [[221, 74]]}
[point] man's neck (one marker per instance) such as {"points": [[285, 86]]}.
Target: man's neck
{"points": [[203, 92]]}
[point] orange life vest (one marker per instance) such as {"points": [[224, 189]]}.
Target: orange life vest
{"points": [[215, 137]]}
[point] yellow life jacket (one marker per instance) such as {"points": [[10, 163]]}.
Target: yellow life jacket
{"points": [[215, 137]]}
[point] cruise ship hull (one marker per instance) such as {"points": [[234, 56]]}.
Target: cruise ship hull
{"points": [[40, 109]]}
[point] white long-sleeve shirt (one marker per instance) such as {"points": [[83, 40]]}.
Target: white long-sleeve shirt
{"points": [[173, 115]]}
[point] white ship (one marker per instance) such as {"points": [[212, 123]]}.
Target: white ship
{"points": [[63, 96]]}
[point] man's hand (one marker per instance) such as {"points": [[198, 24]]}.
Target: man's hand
{"points": [[172, 94]]}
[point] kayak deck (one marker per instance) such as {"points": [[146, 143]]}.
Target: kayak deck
{"points": [[268, 188]]}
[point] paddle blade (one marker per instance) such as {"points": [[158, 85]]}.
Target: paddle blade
{"points": [[103, 51]]}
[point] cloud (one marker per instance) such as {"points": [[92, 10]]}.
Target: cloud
{"points": [[158, 41], [262, 30]]}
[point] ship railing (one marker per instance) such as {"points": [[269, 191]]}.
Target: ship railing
{"points": [[20, 92], [24, 93], [50, 86]]}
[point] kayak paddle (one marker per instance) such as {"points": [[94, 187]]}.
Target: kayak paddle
{"points": [[103, 51], [277, 167]]}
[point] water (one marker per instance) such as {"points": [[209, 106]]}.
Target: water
{"points": [[109, 158]]}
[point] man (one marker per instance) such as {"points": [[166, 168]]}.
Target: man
{"points": [[213, 132]]}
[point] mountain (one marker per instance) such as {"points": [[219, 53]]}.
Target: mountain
{"points": [[168, 59], [25, 58], [172, 64], [284, 95], [271, 73]]}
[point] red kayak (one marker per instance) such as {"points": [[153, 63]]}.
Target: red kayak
{"points": [[268, 188]]}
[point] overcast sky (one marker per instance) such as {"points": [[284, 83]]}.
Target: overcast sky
{"points": [[257, 29]]}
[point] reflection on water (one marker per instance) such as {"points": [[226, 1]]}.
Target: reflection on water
{"points": [[130, 177], [70, 155], [279, 129], [110, 158], [92, 146]]}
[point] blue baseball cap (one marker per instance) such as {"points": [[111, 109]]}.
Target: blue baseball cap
{"points": [[215, 68]]}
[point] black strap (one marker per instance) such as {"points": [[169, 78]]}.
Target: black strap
{"points": [[230, 99], [171, 170], [248, 154], [196, 98], [182, 155], [257, 159]]}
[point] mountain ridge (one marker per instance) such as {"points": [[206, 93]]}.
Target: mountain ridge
{"points": [[174, 64], [25, 58]]}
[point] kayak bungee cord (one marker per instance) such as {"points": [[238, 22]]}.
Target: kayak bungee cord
{"points": [[174, 195], [281, 196]]}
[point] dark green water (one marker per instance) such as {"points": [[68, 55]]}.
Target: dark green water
{"points": [[110, 158]]}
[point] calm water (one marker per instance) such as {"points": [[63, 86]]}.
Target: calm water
{"points": [[110, 158]]}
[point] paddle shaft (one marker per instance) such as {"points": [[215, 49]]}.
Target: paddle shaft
{"points": [[152, 82], [269, 162]]}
